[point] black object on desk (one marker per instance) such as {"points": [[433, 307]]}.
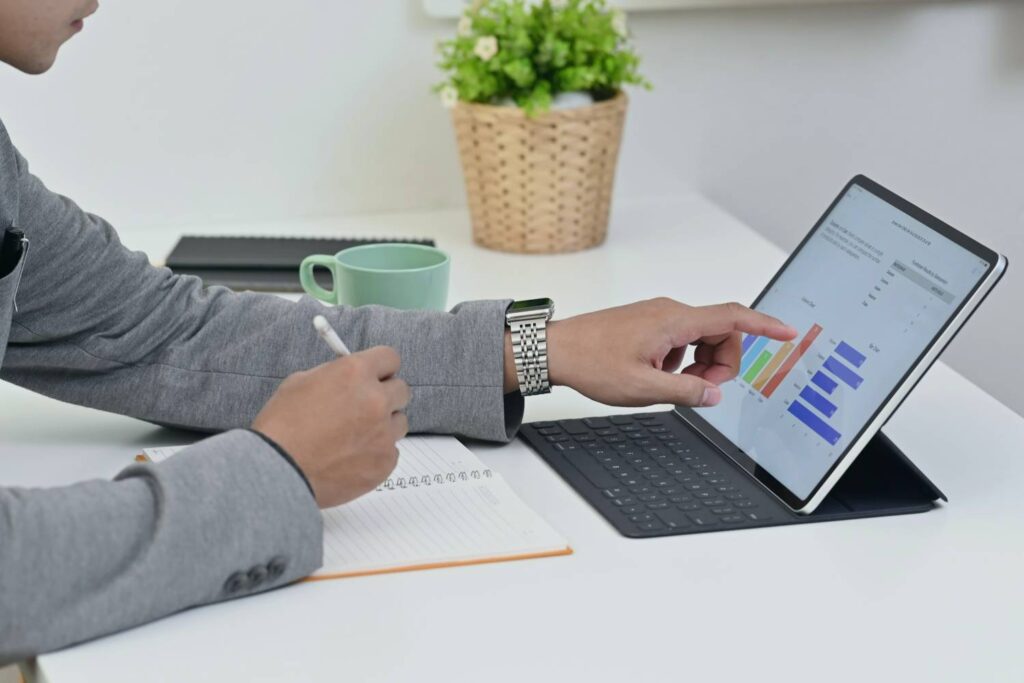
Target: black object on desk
{"points": [[12, 246], [259, 263], [649, 475]]}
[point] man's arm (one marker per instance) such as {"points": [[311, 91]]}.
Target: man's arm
{"points": [[98, 325], [225, 518]]}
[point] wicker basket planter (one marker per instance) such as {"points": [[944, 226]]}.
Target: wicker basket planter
{"points": [[540, 185]]}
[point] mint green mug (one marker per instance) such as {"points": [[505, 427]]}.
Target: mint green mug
{"points": [[407, 276]]}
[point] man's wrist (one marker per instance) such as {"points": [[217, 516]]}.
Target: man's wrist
{"points": [[555, 332]]}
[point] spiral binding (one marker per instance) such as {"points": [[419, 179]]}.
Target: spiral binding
{"points": [[425, 480]]}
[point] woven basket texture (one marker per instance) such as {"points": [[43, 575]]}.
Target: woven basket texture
{"points": [[542, 184]]}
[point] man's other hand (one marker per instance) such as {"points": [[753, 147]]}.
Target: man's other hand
{"points": [[339, 421]]}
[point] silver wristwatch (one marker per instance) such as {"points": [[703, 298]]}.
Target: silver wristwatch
{"points": [[527, 321]]}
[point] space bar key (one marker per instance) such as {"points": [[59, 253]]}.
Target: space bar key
{"points": [[595, 474]]}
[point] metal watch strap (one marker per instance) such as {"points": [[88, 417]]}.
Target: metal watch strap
{"points": [[530, 351]]}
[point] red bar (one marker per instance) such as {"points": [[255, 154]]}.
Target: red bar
{"points": [[805, 344]]}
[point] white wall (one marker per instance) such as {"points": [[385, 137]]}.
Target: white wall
{"points": [[162, 114]]}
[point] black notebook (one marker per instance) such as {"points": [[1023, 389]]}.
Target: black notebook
{"points": [[259, 263]]}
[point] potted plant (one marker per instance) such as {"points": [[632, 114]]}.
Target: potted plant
{"points": [[535, 90]]}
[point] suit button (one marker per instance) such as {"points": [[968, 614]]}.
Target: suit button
{"points": [[276, 567], [257, 575], [236, 583]]}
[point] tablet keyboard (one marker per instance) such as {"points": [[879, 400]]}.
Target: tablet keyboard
{"points": [[649, 475]]}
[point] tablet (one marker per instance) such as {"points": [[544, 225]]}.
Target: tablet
{"points": [[877, 289]]}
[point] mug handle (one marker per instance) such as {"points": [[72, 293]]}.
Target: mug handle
{"points": [[309, 282]]}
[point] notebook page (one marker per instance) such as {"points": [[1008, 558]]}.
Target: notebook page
{"points": [[455, 523]]}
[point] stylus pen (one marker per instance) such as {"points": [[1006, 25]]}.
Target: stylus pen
{"points": [[330, 337]]}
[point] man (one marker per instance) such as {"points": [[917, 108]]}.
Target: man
{"points": [[84, 320]]}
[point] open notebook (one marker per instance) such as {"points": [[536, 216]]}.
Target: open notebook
{"points": [[441, 507]]}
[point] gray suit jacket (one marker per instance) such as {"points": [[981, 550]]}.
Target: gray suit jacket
{"points": [[84, 320]]}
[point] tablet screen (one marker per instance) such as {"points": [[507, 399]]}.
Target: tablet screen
{"points": [[869, 290]]}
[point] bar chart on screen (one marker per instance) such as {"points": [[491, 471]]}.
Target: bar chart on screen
{"points": [[815, 406]]}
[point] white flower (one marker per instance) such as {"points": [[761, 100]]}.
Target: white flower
{"points": [[559, 4], [465, 26], [486, 47], [449, 96], [619, 23]]}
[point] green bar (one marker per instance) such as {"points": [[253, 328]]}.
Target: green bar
{"points": [[761, 361]]}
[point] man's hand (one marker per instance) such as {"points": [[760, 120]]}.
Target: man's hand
{"points": [[339, 422], [628, 356]]}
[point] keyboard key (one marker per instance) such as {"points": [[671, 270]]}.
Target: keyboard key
{"points": [[616, 492], [704, 495], [557, 438], [657, 430], [570, 446], [663, 485], [660, 505], [624, 502], [595, 473], [614, 467], [697, 487], [689, 505], [649, 497], [650, 526], [702, 519], [584, 438], [647, 418], [652, 450], [723, 510], [725, 489], [575, 427], [638, 436], [618, 438], [714, 481], [646, 517], [673, 519], [640, 489], [629, 428], [597, 422], [734, 496], [679, 498], [629, 481], [714, 502], [632, 509], [671, 489], [547, 431], [732, 519], [652, 476], [664, 438], [621, 419], [757, 516], [745, 504]]}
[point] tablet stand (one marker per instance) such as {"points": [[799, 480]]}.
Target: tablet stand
{"points": [[881, 481]]}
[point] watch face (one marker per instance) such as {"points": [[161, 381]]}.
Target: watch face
{"points": [[531, 303]]}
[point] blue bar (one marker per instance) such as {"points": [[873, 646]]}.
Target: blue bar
{"points": [[842, 372], [819, 426], [747, 341], [824, 406], [824, 382], [753, 353], [851, 354]]}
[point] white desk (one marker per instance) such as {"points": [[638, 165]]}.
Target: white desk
{"points": [[936, 596]]}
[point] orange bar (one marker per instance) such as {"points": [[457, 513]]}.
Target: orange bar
{"points": [[791, 362], [772, 366]]}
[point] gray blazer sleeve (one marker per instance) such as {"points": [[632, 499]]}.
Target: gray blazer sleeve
{"points": [[96, 325]]}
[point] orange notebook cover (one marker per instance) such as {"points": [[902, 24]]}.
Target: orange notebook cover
{"points": [[441, 507]]}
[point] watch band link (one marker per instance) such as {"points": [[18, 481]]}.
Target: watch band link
{"points": [[530, 351]]}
